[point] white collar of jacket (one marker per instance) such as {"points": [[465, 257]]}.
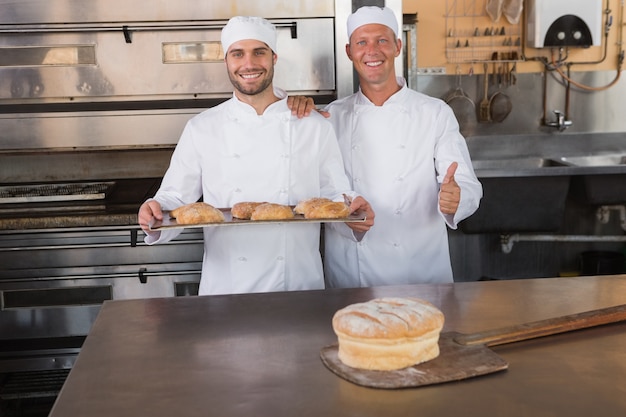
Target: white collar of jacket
{"points": [[397, 99], [240, 110]]}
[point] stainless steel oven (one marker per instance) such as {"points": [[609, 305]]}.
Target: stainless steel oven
{"points": [[93, 97]]}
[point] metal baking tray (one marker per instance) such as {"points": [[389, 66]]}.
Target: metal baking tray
{"points": [[170, 223]]}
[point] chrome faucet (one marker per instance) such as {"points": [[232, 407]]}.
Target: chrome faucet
{"points": [[561, 123]]}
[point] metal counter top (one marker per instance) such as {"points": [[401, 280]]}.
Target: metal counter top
{"points": [[258, 355], [553, 171]]}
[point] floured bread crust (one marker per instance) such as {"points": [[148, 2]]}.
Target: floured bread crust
{"points": [[332, 210], [244, 209], [197, 213], [388, 333], [322, 208], [272, 211], [305, 205]]}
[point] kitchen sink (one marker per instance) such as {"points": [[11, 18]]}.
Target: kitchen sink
{"points": [[515, 163], [529, 193], [519, 195], [519, 204], [598, 189], [528, 179], [594, 160]]}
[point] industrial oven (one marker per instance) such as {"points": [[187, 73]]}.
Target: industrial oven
{"points": [[93, 97]]}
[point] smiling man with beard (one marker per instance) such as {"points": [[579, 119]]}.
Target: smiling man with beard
{"points": [[251, 148], [250, 81]]}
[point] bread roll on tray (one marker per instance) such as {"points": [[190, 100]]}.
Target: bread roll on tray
{"points": [[305, 205], [322, 208], [197, 213], [272, 211], [244, 209]]}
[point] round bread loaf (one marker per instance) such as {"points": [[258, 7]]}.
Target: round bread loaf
{"points": [[197, 213], [388, 333]]}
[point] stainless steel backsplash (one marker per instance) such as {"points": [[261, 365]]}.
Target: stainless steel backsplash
{"points": [[590, 112]]}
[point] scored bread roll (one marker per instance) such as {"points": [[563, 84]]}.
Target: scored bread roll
{"points": [[197, 213], [305, 205], [244, 209], [322, 208], [388, 333], [328, 210], [272, 211]]}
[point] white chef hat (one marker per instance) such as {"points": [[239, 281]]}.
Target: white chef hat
{"points": [[372, 14], [248, 27]]}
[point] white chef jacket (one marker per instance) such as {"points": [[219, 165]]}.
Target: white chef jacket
{"points": [[396, 155], [229, 154]]}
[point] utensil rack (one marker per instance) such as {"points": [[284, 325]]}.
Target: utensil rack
{"points": [[471, 35]]}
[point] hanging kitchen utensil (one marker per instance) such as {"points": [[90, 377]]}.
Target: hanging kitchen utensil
{"points": [[494, 76], [512, 10], [463, 107], [494, 9], [483, 113], [464, 356], [500, 105], [513, 74]]}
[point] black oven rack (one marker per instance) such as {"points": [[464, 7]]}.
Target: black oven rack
{"points": [[55, 192]]}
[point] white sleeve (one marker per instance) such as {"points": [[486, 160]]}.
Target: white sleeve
{"points": [[182, 183]]}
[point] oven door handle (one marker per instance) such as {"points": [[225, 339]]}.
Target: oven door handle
{"points": [[143, 278]]}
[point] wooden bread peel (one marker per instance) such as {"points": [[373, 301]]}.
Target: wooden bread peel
{"points": [[468, 355]]}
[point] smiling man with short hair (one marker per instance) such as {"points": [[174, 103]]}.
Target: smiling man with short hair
{"points": [[251, 148]]}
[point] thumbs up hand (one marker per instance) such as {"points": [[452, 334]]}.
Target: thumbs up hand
{"points": [[450, 192]]}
